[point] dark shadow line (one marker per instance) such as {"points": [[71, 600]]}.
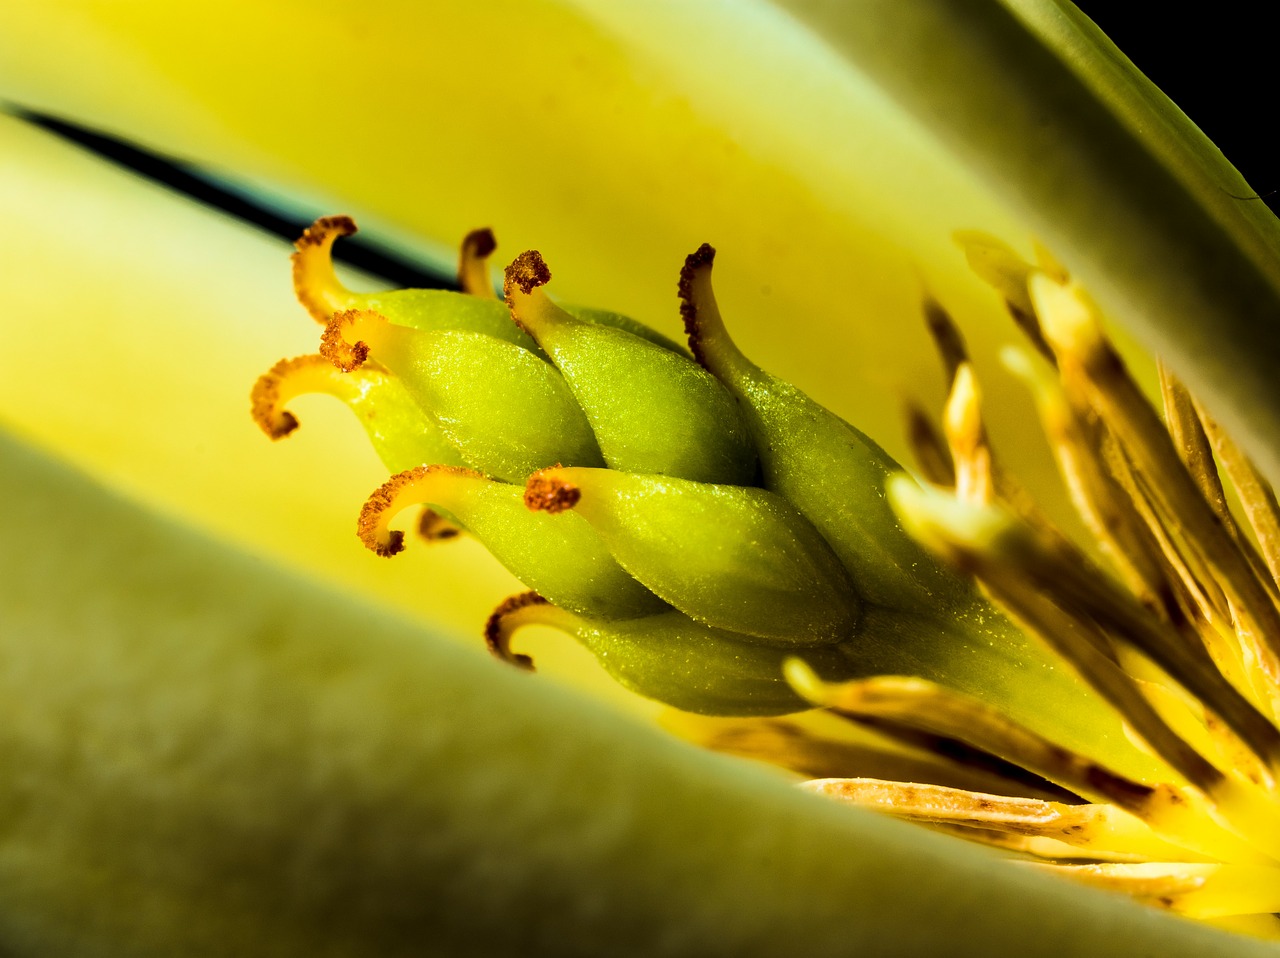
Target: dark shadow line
{"points": [[188, 180]]}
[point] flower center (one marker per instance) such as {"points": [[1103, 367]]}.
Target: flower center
{"points": [[942, 651]]}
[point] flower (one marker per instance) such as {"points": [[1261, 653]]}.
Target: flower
{"points": [[360, 772]]}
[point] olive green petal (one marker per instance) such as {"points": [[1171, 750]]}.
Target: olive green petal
{"points": [[1131, 215], [204, 756]]}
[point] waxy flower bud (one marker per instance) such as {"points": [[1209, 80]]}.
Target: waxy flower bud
{"points": [[734, 557], [652, 410]]}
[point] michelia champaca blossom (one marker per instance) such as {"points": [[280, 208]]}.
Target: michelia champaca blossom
{"points": [[208, 756]]}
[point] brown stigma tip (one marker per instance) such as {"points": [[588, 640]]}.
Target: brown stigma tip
{"points": [[545, 493], [695, 264], [333, 347], [497, 631], [433, 527], [480, 243], [264, 400], [380, 508], [325, 230], [527, 272]]}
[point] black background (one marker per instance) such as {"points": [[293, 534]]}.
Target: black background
{"points": [[1219, 63]]}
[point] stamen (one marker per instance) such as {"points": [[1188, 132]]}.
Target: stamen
{"points": [[1192, 445], [1006, 272], [818, 753], [933, 458], [546, 492], [946, 337], [1097, 497], [926, 705], [343, 341], [1072, 327], [314, 281], [1195, 890], [515, 612], [967, 438], [1100, 828], [1256, 495], [411, 487], [1007, 556], [473, 265]]}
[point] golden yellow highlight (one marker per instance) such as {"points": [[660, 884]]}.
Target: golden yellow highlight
{"points": [[314, 281]]}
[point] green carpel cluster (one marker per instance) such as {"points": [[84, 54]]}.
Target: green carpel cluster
{"points": [[692, 522]]}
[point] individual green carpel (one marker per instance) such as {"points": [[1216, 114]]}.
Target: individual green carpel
{"points": [[320, 291], [394, 423], [734, 557], [652, 410], [508, 412], [832, 473], [671, 658], [1100, 829], [562, 559], [607, 317]]}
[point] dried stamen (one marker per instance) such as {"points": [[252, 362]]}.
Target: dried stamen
{"points": [[1098, 828]]}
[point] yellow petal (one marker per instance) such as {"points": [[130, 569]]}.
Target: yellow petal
{"points": [[293, 774]]}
